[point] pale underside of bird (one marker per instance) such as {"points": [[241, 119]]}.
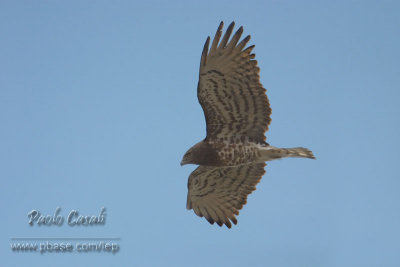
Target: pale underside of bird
{"points": [[232, 156]]}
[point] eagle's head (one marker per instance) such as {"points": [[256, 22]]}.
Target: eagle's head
{"points": [[190, 156], [201, 153]]}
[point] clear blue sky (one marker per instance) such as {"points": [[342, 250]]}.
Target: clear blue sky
{"points": [[98, 104]]}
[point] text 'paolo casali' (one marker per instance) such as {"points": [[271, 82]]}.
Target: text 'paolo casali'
{"points": [[74, 218]]}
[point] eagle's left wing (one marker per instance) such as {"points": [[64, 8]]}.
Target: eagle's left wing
{"points": [[229, 90], [218, 193]]}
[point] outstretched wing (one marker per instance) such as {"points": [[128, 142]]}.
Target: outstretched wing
{"points": [[218, 193], [229, 90]]}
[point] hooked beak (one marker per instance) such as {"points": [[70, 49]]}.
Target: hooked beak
{"points": [[184, 161]]}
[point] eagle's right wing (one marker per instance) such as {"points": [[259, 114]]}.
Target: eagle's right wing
{"points": [[218, 193]]}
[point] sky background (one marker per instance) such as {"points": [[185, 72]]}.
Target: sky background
{"points": [[98, 105]]}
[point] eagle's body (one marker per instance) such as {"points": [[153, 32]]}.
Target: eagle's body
{"points": [[232, 157], [225, 152], [237, 151]]}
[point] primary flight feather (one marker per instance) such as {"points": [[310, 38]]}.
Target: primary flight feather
{"points": [[232, 156]]}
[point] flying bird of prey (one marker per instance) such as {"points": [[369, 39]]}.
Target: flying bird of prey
{"points": [[232, 156]]}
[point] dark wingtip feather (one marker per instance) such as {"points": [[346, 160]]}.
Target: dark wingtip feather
{"points": [[249, 49], [217, 36], [238, 33], [203, 60], [227, 35], [235, 39], [234, 220]]}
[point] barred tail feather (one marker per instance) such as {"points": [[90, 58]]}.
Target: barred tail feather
{"points": [[299, 152], [270, 153]]}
